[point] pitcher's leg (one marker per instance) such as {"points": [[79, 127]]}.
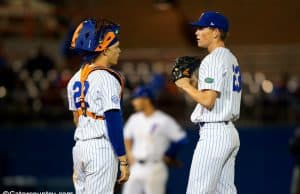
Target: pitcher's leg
{"points": [[213, 150], [226, 182], [205, 170]]}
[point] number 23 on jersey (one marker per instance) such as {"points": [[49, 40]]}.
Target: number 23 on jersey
{"points": [[237, 79], [77, 92]]}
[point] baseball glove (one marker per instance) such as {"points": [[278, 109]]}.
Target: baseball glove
{"points": [[184, 67]]}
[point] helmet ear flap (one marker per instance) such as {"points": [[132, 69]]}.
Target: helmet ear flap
{"points": [[105, 41], [106, 27]]}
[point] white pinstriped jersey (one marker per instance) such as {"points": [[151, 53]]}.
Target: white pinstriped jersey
{"points": [[102, 93], [219, 71], [152, 135]]}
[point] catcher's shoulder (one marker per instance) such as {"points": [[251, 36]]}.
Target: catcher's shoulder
{"points": [[74, 78], [105, 75]]}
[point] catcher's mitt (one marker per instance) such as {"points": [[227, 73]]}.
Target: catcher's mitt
{"points": [[184, 67]]}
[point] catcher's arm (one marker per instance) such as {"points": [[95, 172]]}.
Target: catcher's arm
{"points": [[75, 118]]}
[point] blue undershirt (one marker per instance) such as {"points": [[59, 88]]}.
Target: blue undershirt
{"points": [[114, 124]]}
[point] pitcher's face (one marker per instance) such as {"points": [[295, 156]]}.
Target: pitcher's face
{"points": [[205, 36]]}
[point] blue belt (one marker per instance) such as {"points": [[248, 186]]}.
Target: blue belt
{"points": [[201, 124]]}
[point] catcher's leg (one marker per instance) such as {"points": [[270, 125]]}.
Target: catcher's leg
{"points": [[156, 179], [101, 167], [209, 157], [78, 172]]}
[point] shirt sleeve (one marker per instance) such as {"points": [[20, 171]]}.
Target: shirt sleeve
{"points": [[70, 94], [110, 90], [174, 131], [128, 128], [211, 74]]}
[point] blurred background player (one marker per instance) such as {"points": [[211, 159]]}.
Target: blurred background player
{"points": [[94, 95], [152, 139], [218, 98]]}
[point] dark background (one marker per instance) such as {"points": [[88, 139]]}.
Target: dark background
{"points": [[36, 129]]}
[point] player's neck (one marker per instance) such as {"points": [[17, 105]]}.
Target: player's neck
{"points": [[215, 45], [148, 111]]}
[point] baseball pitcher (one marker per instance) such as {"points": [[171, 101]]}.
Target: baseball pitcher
{"points": [[218, 98]]}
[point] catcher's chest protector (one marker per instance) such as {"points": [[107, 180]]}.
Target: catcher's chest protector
{"points": [[85, 71]]}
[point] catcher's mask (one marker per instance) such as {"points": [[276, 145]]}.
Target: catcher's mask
{"points": [[88, 37]]}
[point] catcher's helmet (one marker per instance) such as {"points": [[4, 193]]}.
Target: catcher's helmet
{"points": [[88, 38]]}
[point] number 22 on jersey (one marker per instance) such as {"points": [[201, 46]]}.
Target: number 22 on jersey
{"points": [[237, 79], [77, 92]]}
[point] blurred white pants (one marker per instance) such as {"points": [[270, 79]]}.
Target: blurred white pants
{"points": [[147, 178]]}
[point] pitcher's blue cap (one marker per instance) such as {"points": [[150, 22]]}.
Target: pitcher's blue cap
{"points": [[142, 92], [212, 19]]}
